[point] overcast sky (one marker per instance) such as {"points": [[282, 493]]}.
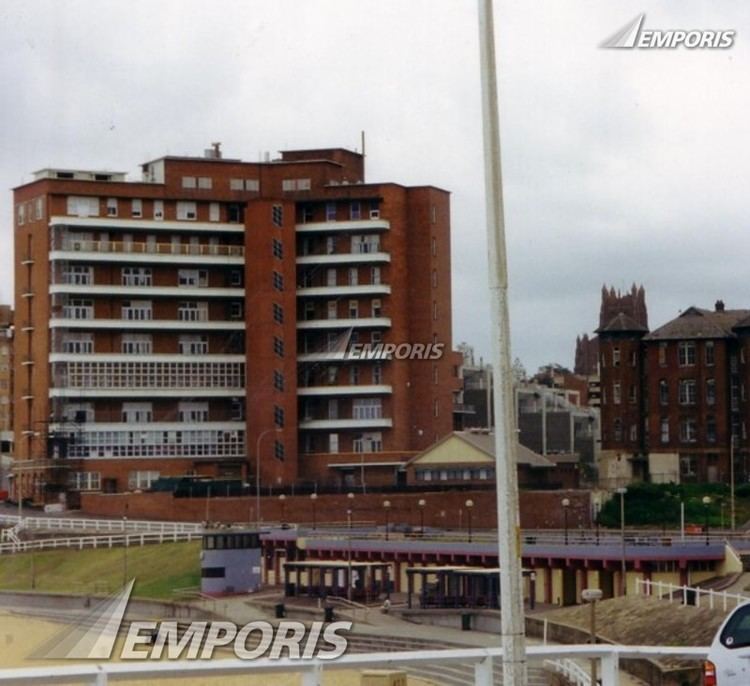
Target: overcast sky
{"points": [[620, 165]]}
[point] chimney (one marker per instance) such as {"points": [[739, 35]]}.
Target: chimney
{"points": [[719, 306]]}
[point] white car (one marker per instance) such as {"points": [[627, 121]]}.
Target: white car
{"points": [[728, 661]]}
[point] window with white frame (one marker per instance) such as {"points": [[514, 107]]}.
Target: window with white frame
{"points": [[214, 212], [330, 277], [235, 311], [137, 310], [158, 209], [188, 182], [236, 185], [78, 412], [78, 275], [377, 373], [355, 210], [193, 411], [205, 183], [688, 430], [21, 213], [616, 393], [196, 278], [142, 480], [193, 344], [333, 443], [252, 185], [136, 208], [136, 344], [78, 343], [353, 276], [332, 309], [136, 276], [710, 391], [85, 481], [237, 410], [377, 307], [353, 309], [79, 206], [367, 408], [192, 311], [687, 392], [330, 211], [664, 429], [137, 413], [686, 353], [369, 442], [375, 275], [38, 208], [365, 244], [187, 211], [78, 308], [111, 207]]}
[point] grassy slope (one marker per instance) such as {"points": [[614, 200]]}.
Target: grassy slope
{"points": [[157, 569]]}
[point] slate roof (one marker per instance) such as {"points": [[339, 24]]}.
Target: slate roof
{"points": [[702, 324], [621, 323]]}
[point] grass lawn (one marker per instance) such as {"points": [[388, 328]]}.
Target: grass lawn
{"points": [[157, 570]]}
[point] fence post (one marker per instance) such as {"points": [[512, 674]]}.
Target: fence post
{"points": [[313, 676], [483, 672], [610, 669], [544, 631], [697, 596], [684, 595], [711, 598]]}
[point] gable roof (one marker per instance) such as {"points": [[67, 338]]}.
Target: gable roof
{"points": [[621, 323], [701, 324]]}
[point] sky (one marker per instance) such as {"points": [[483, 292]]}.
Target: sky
{"points": [[620, 166]]}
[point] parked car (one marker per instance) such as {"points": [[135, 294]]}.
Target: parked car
{"points": [[728, 662]]}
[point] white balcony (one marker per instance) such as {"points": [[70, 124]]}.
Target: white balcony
{"points": [[131, 252], [159, 357], [336, 291], [150, 392], [95, 427], [372, 389], [146, 325], [338, 424], [360, 322], [354, 225], [346, 258], [147, 291], [114, 223]]}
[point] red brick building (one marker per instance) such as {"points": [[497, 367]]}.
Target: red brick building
{"points": [[672, 399], [199, 320]]}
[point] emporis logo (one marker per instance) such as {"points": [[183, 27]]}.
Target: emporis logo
{"points": [[634, 36], [399, 351], [95, 637]]}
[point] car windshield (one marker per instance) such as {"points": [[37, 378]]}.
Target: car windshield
{"points": [[736, 633]]}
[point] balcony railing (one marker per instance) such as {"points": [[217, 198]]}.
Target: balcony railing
{"points": [[80, 245]]}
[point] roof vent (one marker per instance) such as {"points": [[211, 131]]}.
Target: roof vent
{"points": [[719, 306]]}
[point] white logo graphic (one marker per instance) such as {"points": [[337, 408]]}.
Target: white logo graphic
{"points": [[94, 637], [634, 36]]}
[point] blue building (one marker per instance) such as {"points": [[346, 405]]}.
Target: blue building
{"points": [[230, 562]]}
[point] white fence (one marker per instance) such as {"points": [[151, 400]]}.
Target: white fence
{"points": [[81, 542], [100, 525], [692, 595], [311, 671]]}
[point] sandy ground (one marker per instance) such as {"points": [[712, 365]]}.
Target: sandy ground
{"points": [[20, 636]]}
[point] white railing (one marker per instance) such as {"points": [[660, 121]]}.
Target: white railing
{"points": [[100, 525], [82, 542], [681, 594], [311, 671], [573, 672], [152, 248]]}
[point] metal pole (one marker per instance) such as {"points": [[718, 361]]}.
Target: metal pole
{"points": [[593, 641], [732, 513], [257, 475], [682, 521], [506, 439]]}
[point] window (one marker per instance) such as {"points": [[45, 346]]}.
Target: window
{"points": [[434, 310], [686, 353], [367, 408], [434, 246], [188, 182], [235, 310], [633, 358], [330, 245], [663, 392], [196, 278], [688, 430], [78, 343], [83, 206], [370, 442], [278, 416], [78, 274], [278, 281], [78, 309], [333, 443], [278, 380], [190, 344], [616, 393], [85, 481], [355, 210], [187, 210], [330, 211], [191, 311], [236, 185], [615, 357], [363, 245], [21, 213], [354, 376], [137, 310], [353, 276], [235, 277], [711, 429], [664, 430], [375, 275], [278, 249], [332, 309], [376, 337], [205, 183], [111, 207], [158, 209], [353, 309], [377, 308], [214, 212], [79, 413], [135, 413], [192, 411], [633, 432], [277, 215], [136, 344], [736, 633], [278, 346], [710, 391], [632, 394], [709, 353], [252, 185], [136, 208], [278, 450], [141, 480], [434, 278], [237, 410], [662, 354], [618, 430], [687, 392], [136, 276], [278, 313]]}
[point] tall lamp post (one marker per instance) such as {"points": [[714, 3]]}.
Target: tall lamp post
{"points": [[565, 506], [706, 503], [421, 503], [387, 508], [732, 512], [314, 501], [591, 595], [349, 510], [623, 571], [469, 506], [257, 473]]}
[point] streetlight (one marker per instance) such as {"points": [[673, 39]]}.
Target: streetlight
{"points": [[257, 474], [565, 506], [314, 500], [350, 509], [591, 595], [387, 508], [469, 505], [623, 583], [349, 512], [706, 503], [422, 502], [282, 500]]}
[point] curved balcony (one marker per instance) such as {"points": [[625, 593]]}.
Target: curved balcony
{"points": [[344, 291], [147, 291], [360, 322], [345, 258], [371, 389], [146, 324], [352, 225], [115, 223], [338, 424]]}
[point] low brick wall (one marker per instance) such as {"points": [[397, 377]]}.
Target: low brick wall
{"points": [[445, 509]]}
